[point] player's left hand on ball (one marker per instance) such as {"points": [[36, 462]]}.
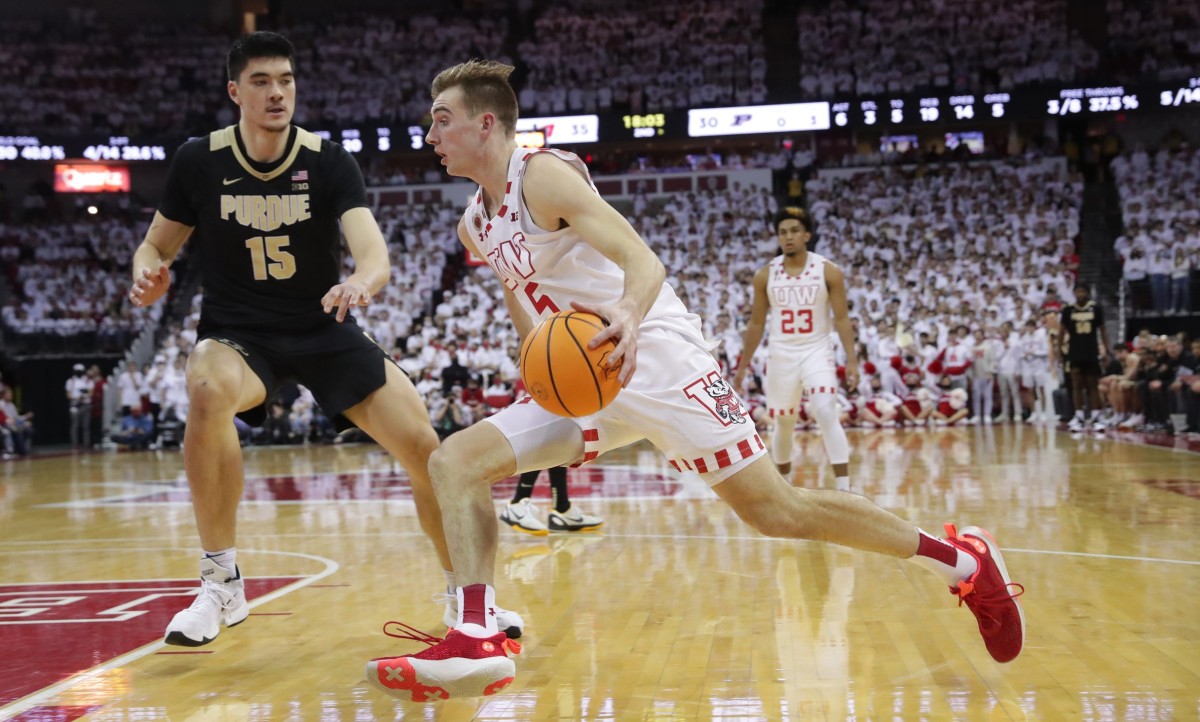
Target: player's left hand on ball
{"points": [[345, 296], [622, 327]]}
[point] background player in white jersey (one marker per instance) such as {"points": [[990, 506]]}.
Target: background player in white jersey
{"points": [[801, 289], [556, 244]]}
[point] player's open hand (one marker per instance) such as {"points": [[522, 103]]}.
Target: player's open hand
{"points": [[150, 286], [622, 327], [345, 296]]}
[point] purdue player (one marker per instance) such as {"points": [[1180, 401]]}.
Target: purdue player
{"points": [[1086, 342], [265, 198], [556, 244], [800, 289]]}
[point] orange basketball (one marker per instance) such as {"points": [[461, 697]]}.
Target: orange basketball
{"points": [[561, 374]]}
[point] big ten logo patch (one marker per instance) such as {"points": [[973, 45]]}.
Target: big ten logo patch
{"points": [[715, 394]]}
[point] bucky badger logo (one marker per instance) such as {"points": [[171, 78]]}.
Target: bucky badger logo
{"points": [[716, 395]]}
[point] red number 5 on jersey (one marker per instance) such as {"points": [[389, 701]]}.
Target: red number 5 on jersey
{"points": [[797, 321]]}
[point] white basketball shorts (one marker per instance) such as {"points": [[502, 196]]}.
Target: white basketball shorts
{"points": [[678, 400], [794, 372]]}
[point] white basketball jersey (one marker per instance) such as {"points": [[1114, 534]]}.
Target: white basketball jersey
{"points": [[547, 269], [799, 304]]}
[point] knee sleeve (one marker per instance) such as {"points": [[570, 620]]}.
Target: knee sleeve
{"points": [[781, 439], [824, 409]]}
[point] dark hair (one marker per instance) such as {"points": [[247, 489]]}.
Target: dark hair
{"points": [[793, 213], [257, 45]]}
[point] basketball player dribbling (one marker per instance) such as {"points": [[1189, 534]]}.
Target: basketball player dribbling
{"points": [[800, 289], [556, 244], [267, 198]]}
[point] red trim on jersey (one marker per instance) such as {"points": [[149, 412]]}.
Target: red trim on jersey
{"points": [[591, 435], [503, 211]]}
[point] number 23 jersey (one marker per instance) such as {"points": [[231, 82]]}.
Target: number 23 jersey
{"points": [[270, 245], [799, 304]]}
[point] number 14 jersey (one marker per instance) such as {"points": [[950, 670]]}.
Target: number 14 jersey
{"points": [[799, 304]]}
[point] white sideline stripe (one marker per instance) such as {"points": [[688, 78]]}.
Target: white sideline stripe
{"points": [[33, 700]]}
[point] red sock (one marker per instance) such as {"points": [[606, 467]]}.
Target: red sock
{"points": [[937, 550], [943, 559], [475, 604]]}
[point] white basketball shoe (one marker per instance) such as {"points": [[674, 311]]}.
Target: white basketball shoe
{"points": [[221, 601], [522, 516], [573, 520]]}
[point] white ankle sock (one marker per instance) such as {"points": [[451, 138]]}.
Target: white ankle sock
{"points": [[450, 583], [226, 558], [842, 482]]}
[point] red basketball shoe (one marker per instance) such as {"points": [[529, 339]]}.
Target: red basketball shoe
{"points": [[458, 666], [988, 595]]}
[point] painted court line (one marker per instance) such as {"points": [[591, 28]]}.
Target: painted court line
{"points": [[28, 702]]}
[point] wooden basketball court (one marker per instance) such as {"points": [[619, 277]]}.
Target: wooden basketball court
{"points": [[674, 611]]}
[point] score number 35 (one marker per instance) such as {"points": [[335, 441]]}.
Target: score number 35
{"points": [[282, 264]]}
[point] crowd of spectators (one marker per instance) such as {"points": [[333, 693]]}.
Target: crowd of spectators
{"points": [[873, 47], [1159, 249], [69, 281], [587, 55], [84, 73], [1153, 38]]}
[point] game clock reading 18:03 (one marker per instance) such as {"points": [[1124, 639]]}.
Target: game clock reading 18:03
{"points": [[645, 126]]}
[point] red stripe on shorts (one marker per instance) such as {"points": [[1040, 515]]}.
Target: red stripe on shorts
{"points": [[723, 458], [591, 434], [744, 448], [700, 465], [675, 465]]}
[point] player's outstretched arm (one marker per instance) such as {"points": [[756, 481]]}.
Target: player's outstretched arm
{"points": [[371, 266], [520, 319], [556, 193], [153, 258], [753, 334], [835, 282]]}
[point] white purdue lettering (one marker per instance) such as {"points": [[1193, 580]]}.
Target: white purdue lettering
{"points": [[266, 213]]}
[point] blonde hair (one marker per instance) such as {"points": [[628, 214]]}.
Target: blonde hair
{"points": [[485, 89]]}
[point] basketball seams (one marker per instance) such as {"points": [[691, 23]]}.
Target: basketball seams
{"points": [[587, 359], [550, 366]]}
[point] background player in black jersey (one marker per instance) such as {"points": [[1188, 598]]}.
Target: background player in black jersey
{"points": [[264, 198], [1083, 322]]}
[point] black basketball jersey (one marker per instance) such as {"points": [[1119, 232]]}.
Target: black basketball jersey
{"points": [[1081, 324], [268, 234]]}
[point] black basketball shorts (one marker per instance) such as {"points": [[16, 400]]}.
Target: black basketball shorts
{"points": [[339, 362]]}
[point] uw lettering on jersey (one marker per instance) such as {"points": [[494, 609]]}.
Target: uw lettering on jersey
{"points": [[1082, 324], [270, 245], [548, 269], [799, 304]]}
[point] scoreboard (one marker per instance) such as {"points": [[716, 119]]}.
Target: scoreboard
{"points": [[885, 113]]}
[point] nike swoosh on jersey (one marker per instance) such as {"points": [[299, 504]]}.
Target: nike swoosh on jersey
{"points": [[226, 181]]}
